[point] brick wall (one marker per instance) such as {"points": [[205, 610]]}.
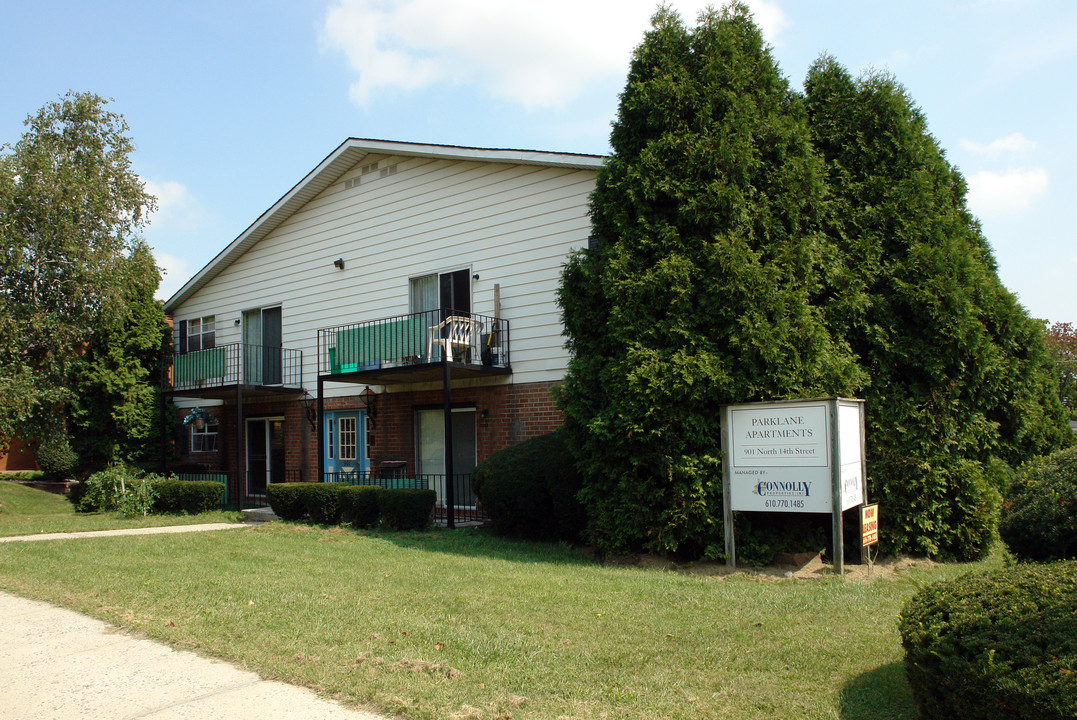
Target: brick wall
{"points": [[505, 415]]}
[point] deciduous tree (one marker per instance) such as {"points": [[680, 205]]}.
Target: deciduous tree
{"points": [[71, 209], [1062, 346]]}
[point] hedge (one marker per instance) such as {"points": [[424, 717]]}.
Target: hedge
{"points": [[187, 496], [23, 475], [529, 490], [331, 503], [359, 504], [405, 509], [286, 499], [996, 645], [1039, 516], [322, 502]]}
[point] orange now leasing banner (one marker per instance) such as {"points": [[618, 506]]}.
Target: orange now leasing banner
{"points": [[869, 523]]}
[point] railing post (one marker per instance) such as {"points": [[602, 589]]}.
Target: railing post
{"points": [[447, 402], [321, 432], [241, 470]]}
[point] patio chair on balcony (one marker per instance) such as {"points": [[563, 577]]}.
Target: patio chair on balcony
{"points": [[455, 332]]}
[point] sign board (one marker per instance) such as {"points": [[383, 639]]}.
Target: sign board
{"points": [[869, 524], [793, 456], [782, 455]]}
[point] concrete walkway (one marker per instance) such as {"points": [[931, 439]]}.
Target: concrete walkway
{"points": [[56, 664], [128, 531]]}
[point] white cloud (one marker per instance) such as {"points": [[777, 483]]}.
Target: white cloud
{"points": [[534, 54], [1007, 193], [169, 193], [1015, 144], [174, 273]]}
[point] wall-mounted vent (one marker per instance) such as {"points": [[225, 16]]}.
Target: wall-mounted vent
{"points": [[349, 184], [387, 171], [367, 169]]}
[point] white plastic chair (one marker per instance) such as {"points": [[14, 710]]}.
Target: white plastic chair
{"points": [[455, 332]]}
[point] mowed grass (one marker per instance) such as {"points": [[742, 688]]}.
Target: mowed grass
{"points": [[29, 511], [460, 624]]}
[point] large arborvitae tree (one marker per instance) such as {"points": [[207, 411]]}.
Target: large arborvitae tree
{"points": [[959, 378], [701, 283]]}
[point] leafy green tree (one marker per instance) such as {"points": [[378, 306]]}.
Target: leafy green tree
{"points": [[70, 212], [116, 403], [700, 285], [959, 378]]}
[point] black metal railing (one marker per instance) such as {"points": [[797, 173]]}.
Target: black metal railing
{"points": [[237, 363], [465, 506], [415, 339]]}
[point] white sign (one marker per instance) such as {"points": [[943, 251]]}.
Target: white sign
{"points": [[793, 456], [781, 455]]}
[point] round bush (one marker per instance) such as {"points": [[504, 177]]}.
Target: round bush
{"points": [[55, 457], [995, 646], [529, 490], [1039, 516]]}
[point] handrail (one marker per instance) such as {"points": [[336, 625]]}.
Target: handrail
{"points": [[414, 339], [233, 363]]}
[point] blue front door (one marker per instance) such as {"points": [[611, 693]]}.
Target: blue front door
{"points": [[345, 445]]}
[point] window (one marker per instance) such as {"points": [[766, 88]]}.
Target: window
{"points": [[197, 334], [204, 440], [347, 437], [442, 290]]}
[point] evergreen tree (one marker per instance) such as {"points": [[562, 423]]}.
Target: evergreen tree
{"points": [[702, 282], [116, 398], [958, 372]]}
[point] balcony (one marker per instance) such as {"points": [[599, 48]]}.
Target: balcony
{"points": [[218, 371], [411, 348]]}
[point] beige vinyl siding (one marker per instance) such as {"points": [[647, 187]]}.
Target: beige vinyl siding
{"points": [[514, 225]]}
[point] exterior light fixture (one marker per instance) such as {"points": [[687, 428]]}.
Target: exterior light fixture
{"points": [[308, 402], [339, 263]]}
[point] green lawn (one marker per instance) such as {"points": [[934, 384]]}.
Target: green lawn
{"points": [[460, 624], [28, 511]]}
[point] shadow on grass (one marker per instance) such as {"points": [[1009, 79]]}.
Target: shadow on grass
{"points": [[482, 542], [880, 694]]}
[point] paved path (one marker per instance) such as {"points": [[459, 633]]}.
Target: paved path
{"points": [[129, 531], [56, 664]]}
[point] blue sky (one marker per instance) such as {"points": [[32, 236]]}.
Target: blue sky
{"points": [[231, 103]]}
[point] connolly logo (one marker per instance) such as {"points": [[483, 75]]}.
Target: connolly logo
{"points": [[772, 488]]}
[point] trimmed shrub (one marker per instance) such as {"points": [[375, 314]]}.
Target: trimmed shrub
{"points": [[404, 509], [22, 475], [995, 645], [322, 502], [188, 496], [55, 457], [286, 499], [1039, 517], [529, 490], [359, 504]]}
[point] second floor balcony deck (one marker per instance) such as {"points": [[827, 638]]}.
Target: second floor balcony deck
{"points": [[411, 348], [217, 372]]}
